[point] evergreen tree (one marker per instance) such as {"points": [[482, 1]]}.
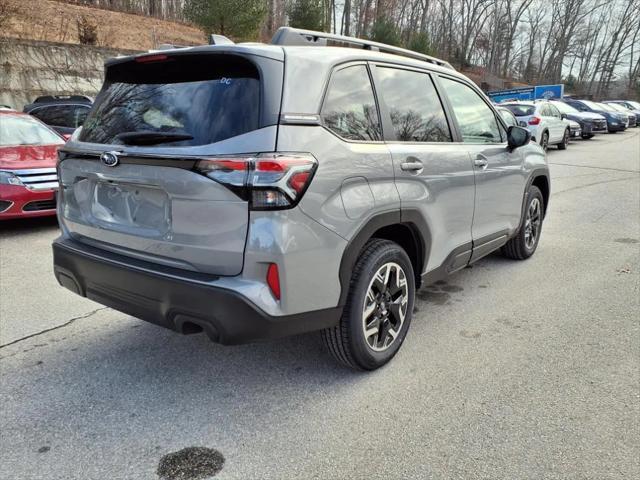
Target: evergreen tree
{"points": [[385, 31], [239, 19], [308, 14]]}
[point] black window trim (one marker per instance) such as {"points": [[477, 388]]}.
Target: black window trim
{"points": [[336, 68], [389, 133], [451, 113]]}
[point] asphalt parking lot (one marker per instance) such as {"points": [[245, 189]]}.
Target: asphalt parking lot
{"points": [[511, 370]]}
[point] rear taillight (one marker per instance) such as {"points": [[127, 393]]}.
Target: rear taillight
{"points": [[534, 121], [267, 180]]}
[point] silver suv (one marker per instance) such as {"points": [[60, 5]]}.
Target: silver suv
{"points": [[255, 191]]}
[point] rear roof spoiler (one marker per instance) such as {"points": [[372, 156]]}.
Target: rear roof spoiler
{"points": [[300, 37], [214, 39]]}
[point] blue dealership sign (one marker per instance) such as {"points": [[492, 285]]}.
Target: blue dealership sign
{"points": [[528, 93], [548, 92], [524, 93]]}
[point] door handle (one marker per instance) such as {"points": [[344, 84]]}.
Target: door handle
{"points": [[481, 161], [411, 166]]}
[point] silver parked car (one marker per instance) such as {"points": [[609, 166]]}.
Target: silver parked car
{"points": [[254, 191]]}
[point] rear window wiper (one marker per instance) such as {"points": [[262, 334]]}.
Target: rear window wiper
{"points": [[151, 138]]}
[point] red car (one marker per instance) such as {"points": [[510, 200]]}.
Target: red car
{"points": [[28, 154]]}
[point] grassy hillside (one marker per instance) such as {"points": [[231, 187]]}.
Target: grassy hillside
{"points": [[54, 21]]}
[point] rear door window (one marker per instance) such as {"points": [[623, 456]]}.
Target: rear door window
{"points": [[553, 111], [415, 109], [181, 100], [476, 120], [349, 108]]}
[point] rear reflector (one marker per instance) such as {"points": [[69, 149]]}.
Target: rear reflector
{"points": [[273, 280]]}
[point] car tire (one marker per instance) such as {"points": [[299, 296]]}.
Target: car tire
{"points": [[371, 290], [587, 137], [522, 245], [565, 140], [544, 141]]}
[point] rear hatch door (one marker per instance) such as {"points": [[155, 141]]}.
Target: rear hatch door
{"points": [[129, 182]]}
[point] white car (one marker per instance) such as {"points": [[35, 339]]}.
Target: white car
{"points": [[544, 121]]}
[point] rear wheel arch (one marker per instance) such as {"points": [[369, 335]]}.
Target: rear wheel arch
{"points": [[409, 230], [409, 238]]}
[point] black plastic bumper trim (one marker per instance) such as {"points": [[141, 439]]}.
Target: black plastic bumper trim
{"points": [[176, 303]]}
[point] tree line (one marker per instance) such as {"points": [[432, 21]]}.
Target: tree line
{"points": [[588, 44]]}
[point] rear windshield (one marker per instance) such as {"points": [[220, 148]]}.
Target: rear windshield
{"points": [[521, 110], [198, 99], [617, 107], [564, 108], [592, 105], [604, 106], [24, 130]]}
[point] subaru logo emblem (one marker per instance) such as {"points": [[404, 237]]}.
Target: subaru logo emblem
{"points": [[110, 159]]}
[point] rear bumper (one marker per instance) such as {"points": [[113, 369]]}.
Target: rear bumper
{"points": [[168, 300]]}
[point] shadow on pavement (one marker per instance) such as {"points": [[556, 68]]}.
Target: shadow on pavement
{"points": [[28, 225]]}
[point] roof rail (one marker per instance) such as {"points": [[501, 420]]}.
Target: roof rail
{"points": [[301, 37]]}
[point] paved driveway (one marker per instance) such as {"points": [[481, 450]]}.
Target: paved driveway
{"points": [[514, 370]]}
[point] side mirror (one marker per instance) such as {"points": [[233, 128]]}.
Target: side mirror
{"points": [[563, 116], [517, 137]]}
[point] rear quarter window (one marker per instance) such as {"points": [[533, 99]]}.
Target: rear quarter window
{"points": [[206, 97]]}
